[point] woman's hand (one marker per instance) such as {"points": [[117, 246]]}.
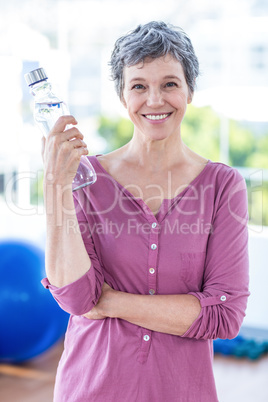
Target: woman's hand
{"points": [[103, 308], [170, 314], [61, 152]]}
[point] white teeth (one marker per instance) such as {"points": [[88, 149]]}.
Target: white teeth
{"points": [[157, 116]]}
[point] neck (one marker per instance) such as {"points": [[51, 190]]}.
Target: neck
{"points": [[155, 155]]}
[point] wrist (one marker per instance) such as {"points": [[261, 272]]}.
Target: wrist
{"points": [[119, 304], [108, 305], [115, 300], [55, 181]]}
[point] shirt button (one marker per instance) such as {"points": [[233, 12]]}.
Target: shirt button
{"points": [[151, 270], [153, 246], [223, 298], [146, 338], [152, 291], [154, 225]]}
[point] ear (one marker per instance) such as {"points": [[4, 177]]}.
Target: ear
{"points": [[190, 93], [190, 97]]}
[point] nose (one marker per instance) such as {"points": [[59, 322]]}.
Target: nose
{"points": [[155, 98]]}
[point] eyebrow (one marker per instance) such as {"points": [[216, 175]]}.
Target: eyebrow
{"points": [[172, 77], [165, 77]]}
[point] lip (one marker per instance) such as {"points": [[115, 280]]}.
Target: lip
{"points": [[157, 114]]}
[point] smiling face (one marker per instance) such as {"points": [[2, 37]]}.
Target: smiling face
{"points": [[156, 96]]}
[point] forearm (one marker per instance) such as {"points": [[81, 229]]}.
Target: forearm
{"points": [[171, 314], [66, 256]]}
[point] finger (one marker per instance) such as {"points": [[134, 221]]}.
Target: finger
{"points": [[62, 122], [82, 151], [87, 315], [76, 153], [69, 134], [79, 152], [57, 139], [77, 143], [74, 149]]}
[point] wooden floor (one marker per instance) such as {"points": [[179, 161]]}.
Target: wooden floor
{"points": [[237, 380], [241, 380], [32, 381]]}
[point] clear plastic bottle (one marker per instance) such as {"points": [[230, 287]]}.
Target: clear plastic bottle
{"points": [[48, 108]]}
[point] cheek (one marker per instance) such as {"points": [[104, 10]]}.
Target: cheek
{"points": [[133, 103], [179, 101]]}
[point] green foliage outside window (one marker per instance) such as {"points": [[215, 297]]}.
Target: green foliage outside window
{"points": [[201, 132]]}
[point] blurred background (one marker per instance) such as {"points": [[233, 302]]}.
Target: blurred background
{"points": [[227, 121]]}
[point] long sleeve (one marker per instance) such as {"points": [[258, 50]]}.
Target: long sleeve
{"points": [[225, 285], [137, 252], [83, 294]]}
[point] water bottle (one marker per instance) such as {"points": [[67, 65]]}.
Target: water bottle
{"points": [[48, 108]]}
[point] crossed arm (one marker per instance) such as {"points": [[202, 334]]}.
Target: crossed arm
{"points": [[225, 291], [171, 314]]}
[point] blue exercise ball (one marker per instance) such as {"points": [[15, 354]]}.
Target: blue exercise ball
{"points": [[30, 319]]}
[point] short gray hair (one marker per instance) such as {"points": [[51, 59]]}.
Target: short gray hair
{"points": [[153, 40]]}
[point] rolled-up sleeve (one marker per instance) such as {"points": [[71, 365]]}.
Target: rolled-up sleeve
{"points": [[225, 292], [82, 295]]}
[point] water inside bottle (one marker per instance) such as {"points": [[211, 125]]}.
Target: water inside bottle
{"points": [[46, 114]]}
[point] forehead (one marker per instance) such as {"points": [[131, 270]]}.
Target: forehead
{"points": [[162, 66]]}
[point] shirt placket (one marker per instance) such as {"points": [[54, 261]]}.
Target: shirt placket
{"points": [[146, 334]]}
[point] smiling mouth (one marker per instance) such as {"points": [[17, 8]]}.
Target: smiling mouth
{"points": [[156, 116]]}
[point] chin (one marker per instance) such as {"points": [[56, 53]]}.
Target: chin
{"points": [[158, 136]]}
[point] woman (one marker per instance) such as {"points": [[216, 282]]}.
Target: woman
{"points": [[151, 261]]}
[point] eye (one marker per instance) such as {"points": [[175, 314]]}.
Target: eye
{"points": [[138, 86], [171, 84]]}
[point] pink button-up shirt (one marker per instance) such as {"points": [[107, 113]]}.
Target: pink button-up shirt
{"points": [[196, 244]]}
